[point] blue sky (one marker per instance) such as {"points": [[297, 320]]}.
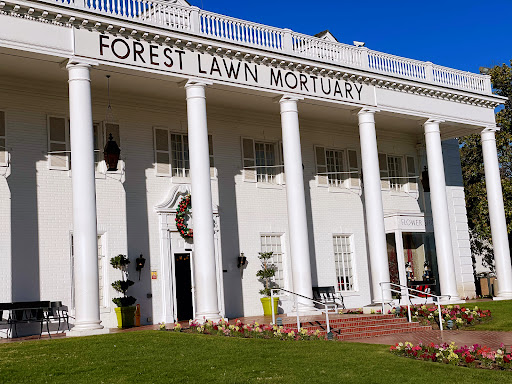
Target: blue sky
{"points": [[454, 33]]}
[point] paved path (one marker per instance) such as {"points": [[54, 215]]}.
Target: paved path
{"points": [[491, 339]]}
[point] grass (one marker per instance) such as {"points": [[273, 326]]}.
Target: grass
{"points": [[168, 357], [501, 316]]}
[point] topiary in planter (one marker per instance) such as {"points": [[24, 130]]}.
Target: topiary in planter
{"points": [[125, 311]]}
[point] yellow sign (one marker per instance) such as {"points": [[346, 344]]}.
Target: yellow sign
{"points": [[154, 275]]}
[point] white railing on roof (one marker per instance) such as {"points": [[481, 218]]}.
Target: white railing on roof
{"points": [[212, 25], [460, 79], [240, 31], [382, 62], [315, 48]]}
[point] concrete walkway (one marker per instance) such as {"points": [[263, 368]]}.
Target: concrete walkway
{"points": [[491, 339]]}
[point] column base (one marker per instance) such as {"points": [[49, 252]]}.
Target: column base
{"points": [[87, 332], [503, 296], [451, 300], [201, 318]]}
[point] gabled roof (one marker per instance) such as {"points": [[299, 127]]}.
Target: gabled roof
{"points": [[180, 2], [327, 35]]}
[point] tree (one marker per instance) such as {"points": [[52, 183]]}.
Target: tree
{"points": [[473, 169]]}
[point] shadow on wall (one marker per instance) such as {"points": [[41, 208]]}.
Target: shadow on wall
{"points": [[230, 243], [137, 232], [25, 284]]}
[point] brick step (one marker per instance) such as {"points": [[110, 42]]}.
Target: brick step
{"points": [[309, 325], [344, 319], [405, 327], [368, 334]]}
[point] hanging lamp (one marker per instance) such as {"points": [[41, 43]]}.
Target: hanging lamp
{"points": [[111, 152]]}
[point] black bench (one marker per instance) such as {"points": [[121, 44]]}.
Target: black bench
{"points": [[328, 296], [33, 312]]}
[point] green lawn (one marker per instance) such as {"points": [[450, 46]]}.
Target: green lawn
{"points": [[167, 357], [501, 316]]}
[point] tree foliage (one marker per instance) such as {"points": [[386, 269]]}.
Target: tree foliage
{"points": [[473, 168]]}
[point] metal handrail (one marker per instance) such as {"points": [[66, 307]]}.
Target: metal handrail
{"points": [[408, 289], [326, 309]]}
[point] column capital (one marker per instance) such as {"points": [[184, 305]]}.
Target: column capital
{"points": [[287, 97], [489, 129], [366, 110], [195, 82], [75, 62], [432, 125]]}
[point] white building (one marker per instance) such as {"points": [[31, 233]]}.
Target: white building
{"points": [[308, 147]]}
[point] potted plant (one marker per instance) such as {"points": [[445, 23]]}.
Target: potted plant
{"points": [[125, 310], [265, 274]]}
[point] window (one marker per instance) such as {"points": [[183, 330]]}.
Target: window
{"points": [[343, 256], [260, 161], [172, 154], [3, 144], [272, 243], [395, 172], [337, 168], [58, 143], [394, 176], [101, 273]]}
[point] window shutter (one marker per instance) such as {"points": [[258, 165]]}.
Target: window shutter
{"points": [[411, 173], [384, 173], [353, 166], [249, 161], [58, 141], [210, 152], [3, 149], [162, 155], [321, 168], [98, 143], [283, 175]]}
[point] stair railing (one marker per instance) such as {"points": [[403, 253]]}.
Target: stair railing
{"points": [[398, 288], [297, 303]]}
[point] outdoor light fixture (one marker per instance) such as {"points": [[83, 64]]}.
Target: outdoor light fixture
{"points": [[139, 263], [425, 181], [111, 152], [279, 322], [242, 260]]}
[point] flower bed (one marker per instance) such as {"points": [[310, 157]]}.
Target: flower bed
{"points": [[429, 315], [474, 356], [254, 330]]}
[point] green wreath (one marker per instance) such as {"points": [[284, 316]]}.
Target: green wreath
{"points": [[181, 213]]}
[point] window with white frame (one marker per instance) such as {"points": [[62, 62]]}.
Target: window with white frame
{"points": [[272, 243], [172, 153], [59, 156], [343, 259], [397, 177], [337, 168], [3, 143], [261, 161], [101, 273], [395, 172]]}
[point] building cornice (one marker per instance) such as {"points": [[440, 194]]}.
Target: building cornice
{"points": [[77, 18]]}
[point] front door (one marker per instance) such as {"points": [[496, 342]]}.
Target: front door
{"points": [[183, 278]]}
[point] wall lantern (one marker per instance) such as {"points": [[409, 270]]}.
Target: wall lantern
{"points": [[425, 181], [242, 261], [111, 154], [139, 262]]}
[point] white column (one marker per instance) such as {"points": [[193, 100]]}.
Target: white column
{"points": [[440, 214], [206, 300], [376, 233], [497, 215], [85, 242], [296, 201]]}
